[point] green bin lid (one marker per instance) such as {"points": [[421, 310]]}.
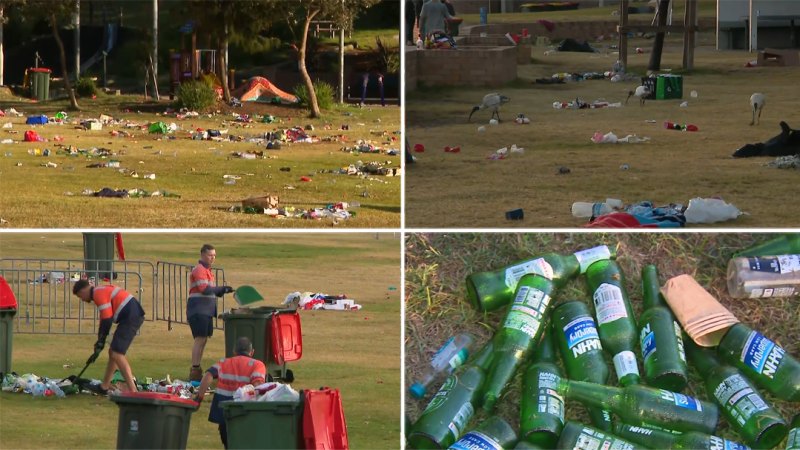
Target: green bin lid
{"points": [[153, 398], [245, 295]]}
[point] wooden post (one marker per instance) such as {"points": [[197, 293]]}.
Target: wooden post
{"points": [[623, 33]]}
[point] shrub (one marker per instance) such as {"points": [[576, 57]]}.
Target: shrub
{"points": [[85, 87], [325, 93], [196, 95]]}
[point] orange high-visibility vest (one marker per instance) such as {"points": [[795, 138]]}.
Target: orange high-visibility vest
{"points": [[235, 372], [201, 278], [110, 300]]}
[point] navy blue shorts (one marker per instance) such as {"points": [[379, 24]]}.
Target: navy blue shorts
{"points": [[201, 325], [125, 332]]}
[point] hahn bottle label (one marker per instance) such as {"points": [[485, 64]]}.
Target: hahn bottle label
{"points": [[538, 266], [550, 402], [594, 440], [717, 443], [609, 303], [648, 339], [582, 336], [461, 419], [735, 394], [527, 311], [776, 264], [684, 401], [475, 440], [762, 355], [589, 256]]}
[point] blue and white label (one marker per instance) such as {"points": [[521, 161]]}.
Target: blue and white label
{"points": [[475, 440], [684, 401], [582, 336], [762, 355], [717, 443], [648, 339]]}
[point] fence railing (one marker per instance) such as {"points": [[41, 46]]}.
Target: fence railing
{"points": [[43, 288]]}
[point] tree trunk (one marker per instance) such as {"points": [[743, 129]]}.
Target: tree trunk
{"points": [[2, 52], [301, 65], [223, 65], [73, 102]]}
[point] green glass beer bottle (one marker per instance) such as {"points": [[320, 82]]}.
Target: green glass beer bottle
{"points": [[542, 407], [762, 361], [488, 291], [661, 338], [783, 245], [577, 436], [449, 411], [518, 335], [575, 333], [640, 405], [746, 411], [793, 441], [664, 440], [493, 433], [614, 318]]}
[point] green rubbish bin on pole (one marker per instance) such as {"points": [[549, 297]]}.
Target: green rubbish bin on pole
{"points": [[264, 425], [254, 323], [98, 253], [153, 420], [40, 83], [8, 309]]}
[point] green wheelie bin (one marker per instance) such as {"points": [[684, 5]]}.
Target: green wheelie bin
{"points": [[153, 420], [264, 425], [40, 83], [257, 325]]}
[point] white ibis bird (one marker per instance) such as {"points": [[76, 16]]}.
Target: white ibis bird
{"points": [[757, 101], [641, 92], [491, 101]]}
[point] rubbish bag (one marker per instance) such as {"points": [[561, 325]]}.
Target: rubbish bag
{"points": [[37, 120], [710, 210], [158, 127], [32, 136]]}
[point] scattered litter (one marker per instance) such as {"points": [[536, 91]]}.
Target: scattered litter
{"points": [[684, 104], [693, 94], [515, 214], [448, 149], [624, 167], [481, 129], [563, 170], [419, 148], [316, 301], [580, 104], [493, 122], [785, 162], [107, 192], [679, 127], [710, 210], [522, 120], [611, 138]]}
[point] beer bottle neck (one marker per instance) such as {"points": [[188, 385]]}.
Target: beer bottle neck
{"points": [[651, 289], [591, 394], [702, 359], [483, 358], [644, 436], [545, 352]]}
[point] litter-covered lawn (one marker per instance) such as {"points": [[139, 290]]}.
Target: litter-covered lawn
{"points": [[561, 165], [166, 168]]}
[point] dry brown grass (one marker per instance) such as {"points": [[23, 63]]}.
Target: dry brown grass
{"points": [[34, 196], [466, 189], [436, 306]]}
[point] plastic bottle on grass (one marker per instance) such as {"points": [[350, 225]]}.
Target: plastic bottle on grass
{"points": [[764, 276], [448, 358]]}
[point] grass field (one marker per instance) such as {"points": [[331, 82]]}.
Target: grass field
{"points": [[437, 264], [36, 196], [357, 352], [672, 168]]}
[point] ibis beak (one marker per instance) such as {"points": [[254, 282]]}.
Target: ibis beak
{"points": [[630, 94], [473, 112]]}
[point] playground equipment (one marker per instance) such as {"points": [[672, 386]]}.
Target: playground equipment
{"points": [[192, 63]]}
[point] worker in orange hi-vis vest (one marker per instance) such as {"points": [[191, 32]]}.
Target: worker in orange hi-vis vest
{"points": [[231, 374], [201, 307], [115, 305]]}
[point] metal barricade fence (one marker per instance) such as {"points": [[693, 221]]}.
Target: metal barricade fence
{"points": [[172, 292], [46, 304], [43, 288]]}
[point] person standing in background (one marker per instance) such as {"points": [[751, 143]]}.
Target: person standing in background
{"points": [[432, 17]]}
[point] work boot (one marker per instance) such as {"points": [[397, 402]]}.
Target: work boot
{"points": [[195, 373]]}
